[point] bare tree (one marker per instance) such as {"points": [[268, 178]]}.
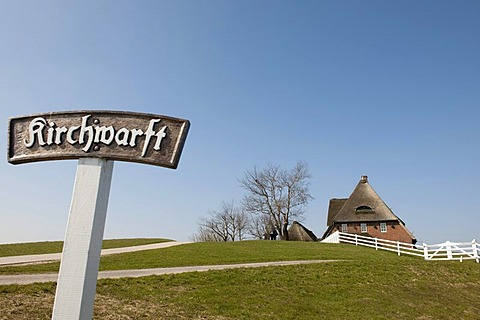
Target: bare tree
{"points": [[260, 226], [205, 235], [229, 223], [277, 193]]}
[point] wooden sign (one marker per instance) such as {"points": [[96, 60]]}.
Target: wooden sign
{"points": [[96, 138], [112, 135]]}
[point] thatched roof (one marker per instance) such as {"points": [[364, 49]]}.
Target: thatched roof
{"points": [[333, 208], [297, 232], [364, 204]]}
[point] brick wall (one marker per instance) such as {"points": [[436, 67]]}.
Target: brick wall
{"points": [[395, 231]]}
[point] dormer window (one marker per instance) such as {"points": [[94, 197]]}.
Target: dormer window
{"points": [[364, 209]]}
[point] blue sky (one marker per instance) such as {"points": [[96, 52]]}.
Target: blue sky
{"points": [[390, 89]]}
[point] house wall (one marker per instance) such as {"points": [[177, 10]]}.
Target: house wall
{"points": [[395, 231]]}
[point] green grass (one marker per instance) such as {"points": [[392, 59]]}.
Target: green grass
{"points": [[368, 284], [21, 249], [207, 253]]}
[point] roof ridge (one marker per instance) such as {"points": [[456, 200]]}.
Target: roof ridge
{"points": [[364, 204]]}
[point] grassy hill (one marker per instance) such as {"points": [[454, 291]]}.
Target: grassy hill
{"points": [[366, 284], [21, 249]]}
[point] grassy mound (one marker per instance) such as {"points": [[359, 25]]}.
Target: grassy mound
{"points": [[29, 248], [366, 284]]}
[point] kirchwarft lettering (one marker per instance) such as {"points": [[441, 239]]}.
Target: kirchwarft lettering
{"points": [[86, 135]]}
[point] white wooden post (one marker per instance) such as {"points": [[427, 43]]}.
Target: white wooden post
{"points": [[356, 240], [97, 138], [425, 251], [448, 247], [475, 251], [77, 279], [398, 248], [376, 244]]}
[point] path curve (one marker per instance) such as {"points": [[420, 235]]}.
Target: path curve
{"points": [[42, 258], [52, 277]]}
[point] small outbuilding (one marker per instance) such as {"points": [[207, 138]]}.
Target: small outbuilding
{"points": [[365, 213], [298, 232]]}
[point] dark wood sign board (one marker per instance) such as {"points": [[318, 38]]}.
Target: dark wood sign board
{"points": [[112, 135], [96, 138]]}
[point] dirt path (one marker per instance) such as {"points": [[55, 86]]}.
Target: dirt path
{"points": [[52, 277], [41, 258]]}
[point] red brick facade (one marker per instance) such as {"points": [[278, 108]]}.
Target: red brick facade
{"points": [[394, 231]]}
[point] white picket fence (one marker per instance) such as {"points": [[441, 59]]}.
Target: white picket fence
{"points": [[443, 251], [452, 251]]}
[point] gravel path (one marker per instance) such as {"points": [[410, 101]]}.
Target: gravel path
{"points": [[41, 258], [52, 277]]}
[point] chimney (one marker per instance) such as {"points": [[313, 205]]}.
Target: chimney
{"points": [[364, 179]]}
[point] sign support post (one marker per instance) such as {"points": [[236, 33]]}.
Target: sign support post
{"points": [[96, 138], [77, 279]]}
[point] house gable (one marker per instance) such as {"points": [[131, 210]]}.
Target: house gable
{"points": [[364, 204]]}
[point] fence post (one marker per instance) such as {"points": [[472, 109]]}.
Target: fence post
{"points": [[376, 244], [475, 251], [425, 251], [398, 247], [356, 240], [449, 250]]}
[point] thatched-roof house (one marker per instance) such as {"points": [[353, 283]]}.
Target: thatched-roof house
{"points": [[364, 212], [298, 232]]}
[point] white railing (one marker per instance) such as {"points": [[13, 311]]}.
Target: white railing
{"points": [[444, 251], [452, 251]]}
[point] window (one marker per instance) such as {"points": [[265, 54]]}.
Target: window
{"points": [[364, 209], [363, 228], [383, 227], [344, 227]]}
